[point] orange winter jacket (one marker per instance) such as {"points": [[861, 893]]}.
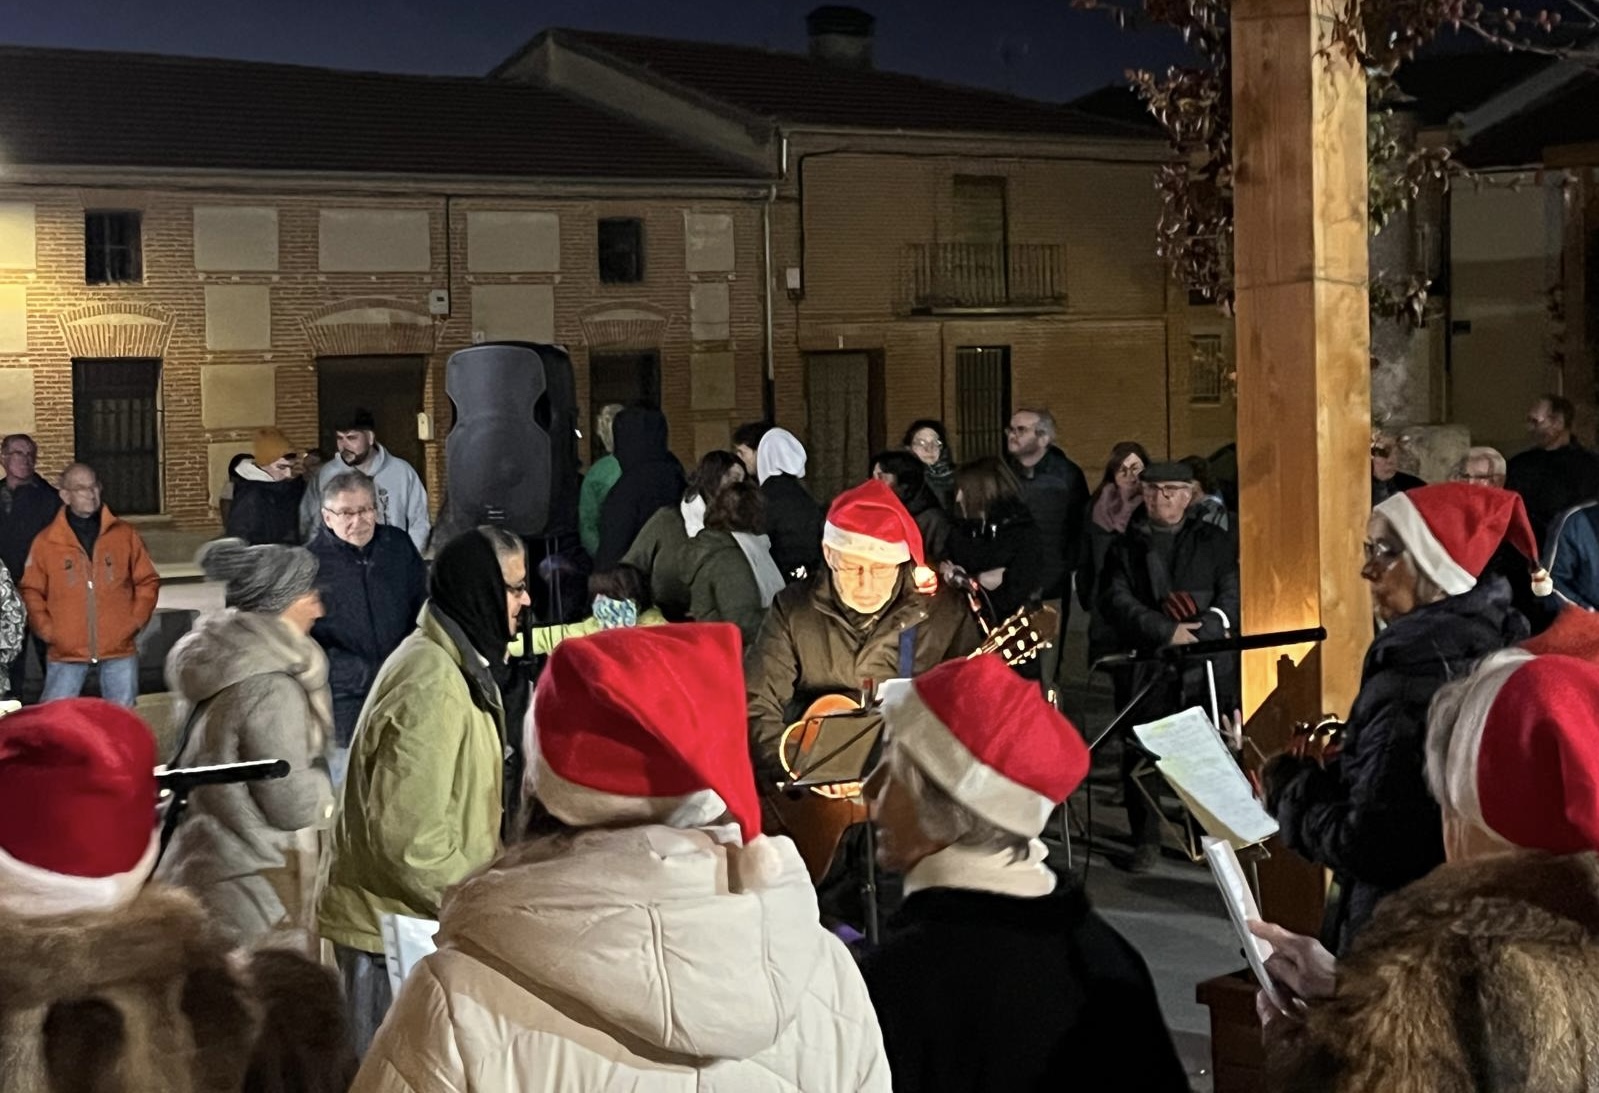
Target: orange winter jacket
{"points": [[83, 611]]}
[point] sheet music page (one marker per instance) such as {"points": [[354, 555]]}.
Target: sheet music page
{"points": [[406, 941], [1204, 773], [1241, 908]]}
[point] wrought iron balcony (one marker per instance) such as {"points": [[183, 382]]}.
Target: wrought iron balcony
{"points": [[982, 277]]}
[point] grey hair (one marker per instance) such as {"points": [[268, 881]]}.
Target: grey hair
{"points": [[70, 467], [1046, 426], [944, 819], [349, 482], [506, 544], [1492, 456]]}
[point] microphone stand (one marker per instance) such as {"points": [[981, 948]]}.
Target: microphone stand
{"points": [[182, 782], [873, 723]]}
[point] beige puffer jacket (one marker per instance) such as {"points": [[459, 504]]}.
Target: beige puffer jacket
{"points": [[648, 959]]}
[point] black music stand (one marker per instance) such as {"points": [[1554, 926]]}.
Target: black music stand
{"points": [[1169, 660], [843, 761]]}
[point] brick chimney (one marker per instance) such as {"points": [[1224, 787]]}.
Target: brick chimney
{"points": [[841, 35]]}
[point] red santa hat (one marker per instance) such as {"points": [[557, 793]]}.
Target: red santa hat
{"points": [[77, 807], [870, 522], [987, 737], [644, 725], [1452, 530], [1514, 748]]}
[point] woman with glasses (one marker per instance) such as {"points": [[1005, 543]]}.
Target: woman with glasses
{"points": [[423, 800], [1367, 814], [928, 441]]}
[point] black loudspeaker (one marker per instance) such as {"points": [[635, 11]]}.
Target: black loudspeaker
{"points": [[511, 456]]}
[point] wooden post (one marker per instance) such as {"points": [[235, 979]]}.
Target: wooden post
{"points": [[1304, 403], [1304, 379]]}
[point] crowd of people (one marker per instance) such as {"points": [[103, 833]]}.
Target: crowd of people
{"points": [[590, 808]]}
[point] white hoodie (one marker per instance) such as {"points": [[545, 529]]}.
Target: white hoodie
{"points": [[645, 960]]}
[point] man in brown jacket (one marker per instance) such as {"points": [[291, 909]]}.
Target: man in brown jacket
{"points": [[90, 587]]}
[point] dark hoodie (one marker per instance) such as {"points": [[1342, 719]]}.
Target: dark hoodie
{"points": [[652, 479]]}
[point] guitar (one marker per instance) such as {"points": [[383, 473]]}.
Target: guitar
{"points": [[816, 818]]}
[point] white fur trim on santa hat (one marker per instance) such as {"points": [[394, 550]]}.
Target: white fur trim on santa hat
{"points": [[864, 546], [581, 806], [1454, 732], [917, 732], [1429, 554], [28, 891]]}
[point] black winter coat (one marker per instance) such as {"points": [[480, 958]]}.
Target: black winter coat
{"points": [[266, 513], [808, 646], [934, 522], [793, 524], [983, 993], [1097, 541], [1369, 816], [1010, 540], [1550, 482], [372, 597], [33, 506], [652, 479], [1056, 493], [1136, 582]]}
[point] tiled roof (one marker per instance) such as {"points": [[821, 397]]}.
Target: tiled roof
{"points": [[797, 90], [78, 108]]}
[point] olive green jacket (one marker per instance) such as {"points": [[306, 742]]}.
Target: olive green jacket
{"points": [[421, 808]]}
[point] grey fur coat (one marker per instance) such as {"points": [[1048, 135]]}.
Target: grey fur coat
{"points": [[251, 852]]}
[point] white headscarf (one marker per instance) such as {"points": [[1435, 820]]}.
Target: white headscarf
{"points": [[780, 453]]}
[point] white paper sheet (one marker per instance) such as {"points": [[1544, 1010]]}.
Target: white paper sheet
{"points": [[1196, 762], [406, 941], [1242, 909]]}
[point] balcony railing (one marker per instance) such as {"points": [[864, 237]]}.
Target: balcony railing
{"points": [[977, 276]]}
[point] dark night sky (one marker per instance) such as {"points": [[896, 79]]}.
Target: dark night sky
{"points": [[1038, 48]]}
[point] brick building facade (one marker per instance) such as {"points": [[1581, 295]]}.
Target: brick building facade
{"points": [[841, 248]]}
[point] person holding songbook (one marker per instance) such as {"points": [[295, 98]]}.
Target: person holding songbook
{"points": [[1484, 974], [997, 974], [1366, 814]]}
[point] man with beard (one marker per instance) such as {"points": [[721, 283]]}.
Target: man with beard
{"points": [[402, 498]]}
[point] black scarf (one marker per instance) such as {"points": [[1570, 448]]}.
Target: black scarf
{"points": [[86, 528], [468, 589]]}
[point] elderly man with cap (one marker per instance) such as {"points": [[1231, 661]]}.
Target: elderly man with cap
{"points": [[1170, 579], [110, 983], [642, 934], [253, 685], [1485, 973], [268, 493], [997, 974]]}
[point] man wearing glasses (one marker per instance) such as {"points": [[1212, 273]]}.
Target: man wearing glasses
{"points": [[373, 583], [90, 587], [27, 505], [1171, 579], [1386, 477]]}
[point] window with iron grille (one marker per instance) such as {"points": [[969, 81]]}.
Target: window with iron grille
{"points": [[621, 250], [1205, 370], [982, 400], [112, 253], [116, 419]]}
